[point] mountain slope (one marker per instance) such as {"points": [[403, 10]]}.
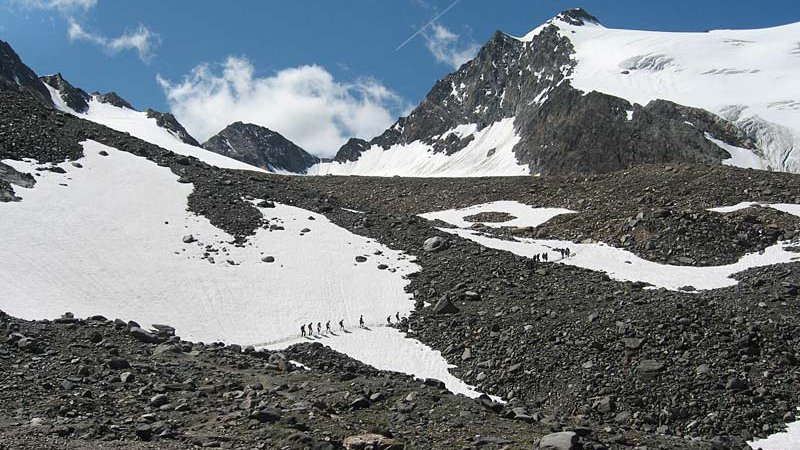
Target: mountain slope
{"points": [[115, 112], [15, 75], [562, 123], [749, 77], [260, 147], [171, 124]]}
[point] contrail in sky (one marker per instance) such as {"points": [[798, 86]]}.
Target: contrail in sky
{"points": [[438, 16]]}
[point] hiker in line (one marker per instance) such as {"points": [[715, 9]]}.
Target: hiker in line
{"points": [[302, 331], [544, 256], [388, 320], [397, 316], [341, 324], [361, 321], [319, 327], [310, 328], [328, 326]]}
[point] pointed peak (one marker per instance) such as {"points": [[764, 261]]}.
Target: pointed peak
{"points": [[112, 98], [576, 17]]}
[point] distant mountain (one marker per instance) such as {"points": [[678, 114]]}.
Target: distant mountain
{"points": [[562, 100], [260, 147], [15, 75]]}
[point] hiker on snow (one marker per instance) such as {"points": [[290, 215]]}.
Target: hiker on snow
{"points": [[341, 324], [388, 320], [361, 321], [328, 326], [319, 327], [302, 331], [311, 328]]}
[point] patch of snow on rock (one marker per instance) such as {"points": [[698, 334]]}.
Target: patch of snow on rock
{"points": [[619, 264]]}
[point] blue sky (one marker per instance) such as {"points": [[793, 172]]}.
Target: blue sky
{"points": [[348, 46]]}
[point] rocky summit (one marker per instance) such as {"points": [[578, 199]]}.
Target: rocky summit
{"points": [[260, 147], [641, 292]]}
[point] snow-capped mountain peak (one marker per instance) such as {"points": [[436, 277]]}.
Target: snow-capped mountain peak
{"points": [[576, 17], [552, 121]]}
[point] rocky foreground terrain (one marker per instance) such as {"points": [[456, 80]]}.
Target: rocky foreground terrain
{"points": [[568, 349]]}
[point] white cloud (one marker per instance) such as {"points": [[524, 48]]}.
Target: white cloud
{"points": [[444, 45], [61, 5], [142, 40], [304, 103]]}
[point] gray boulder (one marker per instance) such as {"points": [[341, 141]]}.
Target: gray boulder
{"points": [[434, 244], [564, 440], [445, 306]]}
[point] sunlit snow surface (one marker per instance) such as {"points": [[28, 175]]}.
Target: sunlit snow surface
{"points": [[750, 77], [788, 440], [139, 125], [387, 349], [619, 264], [789, 208], [489, 154], [524, 215], [110, 241]]}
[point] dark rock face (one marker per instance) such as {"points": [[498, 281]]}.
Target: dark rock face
{"points": [[351, 150], [16, 76], [260, 147], [170, 123], [562, 130], [9, 176], [77, 99], [112, 98]]}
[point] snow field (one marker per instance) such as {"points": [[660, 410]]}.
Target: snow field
{"points": [[108, 239], [489, 154], [387, 348]]}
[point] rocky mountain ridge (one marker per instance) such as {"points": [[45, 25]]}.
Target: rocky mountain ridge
{"points": [[562, 130], [261, 147]]}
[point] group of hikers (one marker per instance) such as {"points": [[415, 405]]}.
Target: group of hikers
{"points": [[308, 331], [543, 257], [565, 252]]}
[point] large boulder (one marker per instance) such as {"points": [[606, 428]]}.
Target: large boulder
{"points": [[445, 306], [434, 244], [371, 441], [564, 440], [145, 336]]}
